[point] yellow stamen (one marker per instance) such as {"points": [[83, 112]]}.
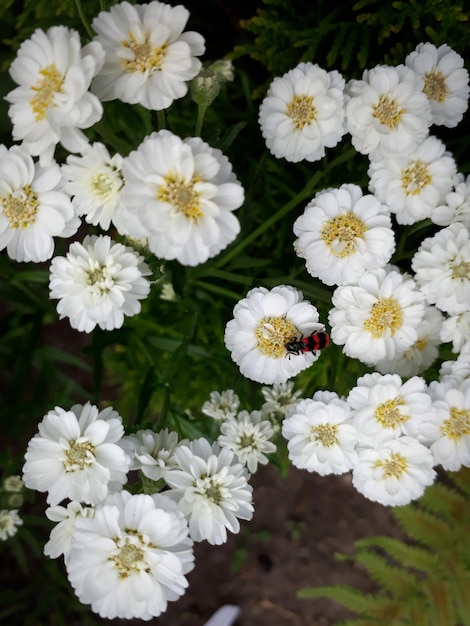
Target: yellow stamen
{"points": [[20, 208], [45, 89], [326, 434], [272, 334], [302, 111], [457, 425], [394, 466], [388, 413], [341, 232], [146, 58], [79, 455], [386, 315], [388, 112], [182, 196], [435, 85], [415, 177]]}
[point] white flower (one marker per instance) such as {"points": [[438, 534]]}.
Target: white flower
{"points": [[212, 490], [152, 453], [341, 233], [384, 404], [445, 81], [303, 113], [9, 522], [13, 484], [221, 406], [33, 210], [378, 318], [248, 435], [393, 471], [456, 329], [130, 559], [95, 182], [422, 353], [455, 372], [263, 323], [321, 437], [98, 282], [441, 267], [457, 204], [279, 398], [387, 111], [52, 101], [76, 455], [180, 194], [60, 540], [149, 58], [415, 183], [451, 437]]}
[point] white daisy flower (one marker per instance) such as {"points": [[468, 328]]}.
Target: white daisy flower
{"points": [[341, 233], [180, 195], [52, 102], [60, 540], [9, 523], [384, 404], [130, 559], [455, 372], [386, 111], [95, 182], [149, 59], [456, 329], [221, 405], [415, 183], [451, 437], [152, 453], [424, 351], [321, 437], [249, 436], [262, 325], [76, 455], [33, 209], [279, 398], [98, 282], [212, 490], [13, 484], [378, 317], [303, 113], [441, 265], [445, 81], [393, 471], [457, 204]]}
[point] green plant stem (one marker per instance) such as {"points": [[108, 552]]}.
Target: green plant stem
{"points": [[201, 112], [83, 18], [163, 415], [161, 119]]}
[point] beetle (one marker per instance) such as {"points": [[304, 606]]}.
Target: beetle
{"points": [[312, 343]]}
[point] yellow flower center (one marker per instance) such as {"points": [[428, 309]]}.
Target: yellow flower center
{"points": [[341, 232], [45, 90], [181, 195], [129, 556], [102, 186], [388, 112], [435, 86], [98, 276], [20, 208], [78, 455], [326, 434], [418, 345], [457, 425], [146, 58], [388, 413], [461, 270], [415, 177], [386, 315], [272, 334], [302, 111], [394, 466]]}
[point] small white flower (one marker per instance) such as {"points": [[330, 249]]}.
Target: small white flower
{"points": [[384, 404], [33, 210], [248, 435], [451, 437], [303, 113], [263, 323], [457, 330], [95, 182], [98, 282], [130, 559], [212, 490], [321, 437], [52, 101], [13, 484], [378, 317], [9, 522], [457, 204], [415, 183], [180, 195], [221, 405], [393, 471], [60, 540], [152, 453], [149, 59], [387, 111], [441, 267], [445, 81], [341, 233], [76, 455], [455, 372], [279, 398]]}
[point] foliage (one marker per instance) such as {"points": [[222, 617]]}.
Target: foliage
{"points": [[422, 579]]}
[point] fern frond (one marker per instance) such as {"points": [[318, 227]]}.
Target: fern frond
{"points": [[396, 580], [440, 600], [412, 556], [423, 526]]}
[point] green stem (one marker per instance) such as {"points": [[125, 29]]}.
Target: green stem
{"points": [[162, 418], [82, 16], [161, 119], [201, 112]]}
